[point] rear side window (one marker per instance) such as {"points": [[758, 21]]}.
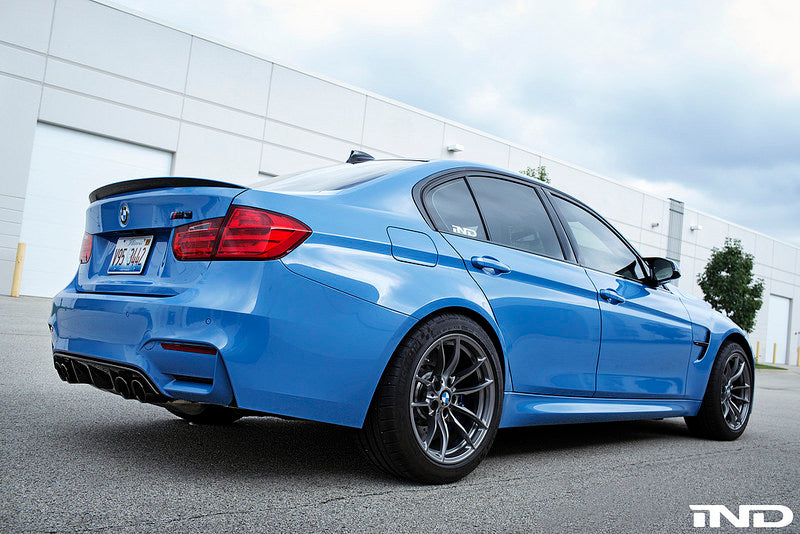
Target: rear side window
{"points": [[452, 209], [515, 216]]}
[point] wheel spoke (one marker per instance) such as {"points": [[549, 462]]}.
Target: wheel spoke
{"points": [[424, 381], [420, 404], [469, 414], [462, 429], [454, 362], [469, 372], [445, 433], [432, 427], [737, 375], [473, 389]]}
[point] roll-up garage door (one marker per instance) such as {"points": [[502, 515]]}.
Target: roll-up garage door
{"points": [[66, 166], [777, 328]]}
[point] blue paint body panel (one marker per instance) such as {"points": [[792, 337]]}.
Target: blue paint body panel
{"points": [[646, 342], [549, 315], [309, 335]]}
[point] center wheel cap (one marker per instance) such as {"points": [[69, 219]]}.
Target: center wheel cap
{"points": [[445, 397]]}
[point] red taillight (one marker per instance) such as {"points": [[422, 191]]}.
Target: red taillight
{"points": [[247, 234], [86, 248], [195, 241], [259, 234]]}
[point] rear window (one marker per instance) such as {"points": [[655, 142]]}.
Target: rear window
{"points": [[334, 178]]}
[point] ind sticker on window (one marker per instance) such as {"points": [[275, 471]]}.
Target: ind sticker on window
{"points": [[469, 231]]}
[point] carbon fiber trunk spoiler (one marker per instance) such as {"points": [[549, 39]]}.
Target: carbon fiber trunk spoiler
{"points": [[143, 184]]}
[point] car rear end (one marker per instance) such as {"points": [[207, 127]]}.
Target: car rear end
{"points": [[182, 295]]}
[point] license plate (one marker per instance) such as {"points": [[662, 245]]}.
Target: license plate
{"points": [[130, 255]]}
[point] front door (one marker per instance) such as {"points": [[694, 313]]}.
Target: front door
{"points": [[647, 334]]}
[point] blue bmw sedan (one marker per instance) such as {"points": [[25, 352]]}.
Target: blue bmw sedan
{"points": [[426, 303]]}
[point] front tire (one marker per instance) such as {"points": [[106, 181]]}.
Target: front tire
{"points": [[437, 408], [726, 406]]}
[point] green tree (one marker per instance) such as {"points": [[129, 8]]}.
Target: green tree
{"points": [[539, 173], [728, 285]]}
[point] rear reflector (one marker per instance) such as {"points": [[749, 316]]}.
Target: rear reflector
{"points": [[244, 234], [86, 248], [185, 347]]}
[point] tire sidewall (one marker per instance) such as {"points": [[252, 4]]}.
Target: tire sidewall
{"points": [[712, 397], [422, 466]]}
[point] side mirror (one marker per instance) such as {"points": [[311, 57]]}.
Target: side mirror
{"points": [[662, 270]]}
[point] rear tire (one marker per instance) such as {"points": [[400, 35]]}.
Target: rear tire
{"points": [[437, 408], [205, 414], [727, 404]]}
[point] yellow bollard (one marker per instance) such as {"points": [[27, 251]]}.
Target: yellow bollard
{"points": [[758, 349], [17, 278], [774, 351]]}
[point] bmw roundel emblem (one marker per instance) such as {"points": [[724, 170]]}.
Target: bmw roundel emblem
{"points": [[124, 214], [445, 398]]}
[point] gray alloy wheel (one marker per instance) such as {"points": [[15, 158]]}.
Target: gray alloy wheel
{"points": [[436, 411], [451, 401], [728, 400], [736, 390]]}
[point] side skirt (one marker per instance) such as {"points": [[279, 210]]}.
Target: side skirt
{"points": [[522, 409]]}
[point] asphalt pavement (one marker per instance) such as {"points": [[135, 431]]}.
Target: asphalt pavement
{"points": [[76, 459]]}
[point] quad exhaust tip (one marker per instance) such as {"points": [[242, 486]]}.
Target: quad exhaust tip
{"points": [[138, 391], [121, 385], [62, 371], [124, 380]]}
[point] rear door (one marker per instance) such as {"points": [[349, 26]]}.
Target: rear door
{"points": [[647, 334], [545, 305]]}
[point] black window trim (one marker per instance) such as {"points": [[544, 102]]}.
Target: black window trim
{"points": [[642, 264], [421, 193]]}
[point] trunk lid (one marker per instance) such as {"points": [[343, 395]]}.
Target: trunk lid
{"points": [[149, 208]]}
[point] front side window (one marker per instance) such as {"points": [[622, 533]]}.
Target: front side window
{"points": [[452, 209], [515, 216], [598, 246]]}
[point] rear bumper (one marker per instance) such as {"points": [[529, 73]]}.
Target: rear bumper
{"points": [[282, 344]]}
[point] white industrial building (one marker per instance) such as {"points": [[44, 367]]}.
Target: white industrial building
{"points": [[91, 93]]}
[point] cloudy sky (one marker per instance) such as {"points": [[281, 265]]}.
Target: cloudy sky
{"points": [[699, 101]]}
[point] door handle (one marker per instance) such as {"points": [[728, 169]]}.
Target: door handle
{"points": [[490, 265], [611, 296]]}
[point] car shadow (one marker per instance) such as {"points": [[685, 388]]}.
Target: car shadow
{"points": [[275, 448], [513, 441], [252, 447]]}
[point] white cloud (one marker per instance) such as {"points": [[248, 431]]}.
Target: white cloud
{"points": [[769, 33], [696, 100]]}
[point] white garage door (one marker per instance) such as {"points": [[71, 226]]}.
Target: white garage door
{"points": [[65, 167], [777, 328]]}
